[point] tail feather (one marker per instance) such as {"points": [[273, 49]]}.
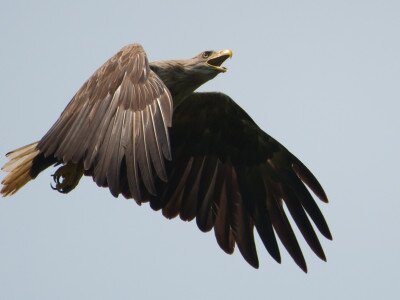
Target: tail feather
{"points": [[19, 168]]}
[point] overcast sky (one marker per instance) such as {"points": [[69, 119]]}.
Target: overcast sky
{"points": [[322, 77]]}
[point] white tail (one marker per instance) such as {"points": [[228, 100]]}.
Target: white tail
{"points": [[19, 167]]}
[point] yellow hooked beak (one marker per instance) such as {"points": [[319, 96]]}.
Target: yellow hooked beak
{"points": [[217, 59]]}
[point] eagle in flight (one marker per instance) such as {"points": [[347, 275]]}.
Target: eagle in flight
{"points": [[141, 130]]}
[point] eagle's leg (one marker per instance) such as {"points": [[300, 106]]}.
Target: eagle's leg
{"points": [[67, 177]]}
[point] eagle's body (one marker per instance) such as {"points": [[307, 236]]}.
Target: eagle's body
{"points": [[141, 130]]}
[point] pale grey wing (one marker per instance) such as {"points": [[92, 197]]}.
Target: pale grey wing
{"points": [[117, 123]]}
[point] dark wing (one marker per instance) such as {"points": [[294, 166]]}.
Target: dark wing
{"points": [[117, 123], [231, 176]]}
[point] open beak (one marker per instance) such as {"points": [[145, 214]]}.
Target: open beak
{"points": [[217, 59]]}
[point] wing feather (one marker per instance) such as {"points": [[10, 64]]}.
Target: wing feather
{"points": [[232, 177], [242, 225], [143, 155], [154, 147], [301, 219], [166, 114], [222, 227], [282, 226], [309, 204], [308, 178], [94, 128], [131, 162], [254, 195], [191, 191], [174, 191], [115, 154], [205, 217]]}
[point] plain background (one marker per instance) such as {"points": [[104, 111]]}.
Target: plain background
{"points": [[320, 76]]}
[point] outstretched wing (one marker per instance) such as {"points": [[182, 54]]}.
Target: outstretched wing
{"points": [[117, 122], [231, 176]]}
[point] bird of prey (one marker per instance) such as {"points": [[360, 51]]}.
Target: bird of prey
{"points": [[141, 130]]}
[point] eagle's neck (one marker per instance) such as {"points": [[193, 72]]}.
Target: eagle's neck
{"points": [[180, 81]]}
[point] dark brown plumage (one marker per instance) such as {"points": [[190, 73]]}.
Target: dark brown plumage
{"points": [[205, 160]]}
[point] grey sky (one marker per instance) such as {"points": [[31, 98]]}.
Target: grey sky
{"points": [[322, 77]]}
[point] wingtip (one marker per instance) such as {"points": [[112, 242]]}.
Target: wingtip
{"points": [[275, 255], [302, 264], [326, 232], [253, 262], [322, 255], [309, 179], [323, 197]]}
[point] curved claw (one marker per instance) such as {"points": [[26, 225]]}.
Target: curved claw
{"points": [[67, 177], [56, 178]]}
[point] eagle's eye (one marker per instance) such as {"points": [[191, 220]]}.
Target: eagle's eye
{"points": [[206, 54]]}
